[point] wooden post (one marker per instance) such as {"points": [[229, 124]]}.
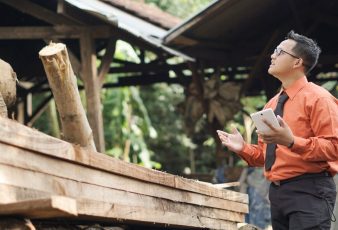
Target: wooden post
{"points": [[62, 81], [92, 88]]}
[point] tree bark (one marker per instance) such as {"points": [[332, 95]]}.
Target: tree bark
{"points": [[61, 78]]}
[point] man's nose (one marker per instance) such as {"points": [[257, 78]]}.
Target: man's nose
{"points": [[273, 55]]}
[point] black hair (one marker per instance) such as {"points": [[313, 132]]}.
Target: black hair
{"points": [[305, 48]]}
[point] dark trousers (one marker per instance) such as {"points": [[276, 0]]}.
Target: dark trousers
{"points": [[303, 203]]}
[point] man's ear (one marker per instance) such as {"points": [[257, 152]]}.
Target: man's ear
{"points": [[298, 63]]}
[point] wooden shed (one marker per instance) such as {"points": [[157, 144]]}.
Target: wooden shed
{"points": [[90, 29]]}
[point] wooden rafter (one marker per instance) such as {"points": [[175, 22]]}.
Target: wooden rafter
{"points": [[257, 66], [106, 60], [38, 11], [38, 111], [149, 67], [296, 17], [42, 32], [328, 19]]}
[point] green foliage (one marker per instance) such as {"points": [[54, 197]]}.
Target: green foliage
{"points": [[126, 119], [253, 104], [126, 123], [180, 8], [332, 87], [171, 147]]}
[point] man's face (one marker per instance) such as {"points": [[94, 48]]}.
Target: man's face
{"points": [[283, 61]]}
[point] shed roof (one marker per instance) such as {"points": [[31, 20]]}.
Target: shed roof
{"points": [[244, 33], [148, 12], [25, 23]]}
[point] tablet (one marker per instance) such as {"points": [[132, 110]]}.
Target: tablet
{"points": [[268, 115]]}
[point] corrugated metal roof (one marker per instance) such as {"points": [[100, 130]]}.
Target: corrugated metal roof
{"points": [[151, 13], [134, 25], [96, 8]]}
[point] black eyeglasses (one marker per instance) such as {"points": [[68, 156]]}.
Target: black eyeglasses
{"points": [[279, 51]]}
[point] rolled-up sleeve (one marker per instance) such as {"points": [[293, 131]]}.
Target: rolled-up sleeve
{"points": [[323, 146], [253, 154]]}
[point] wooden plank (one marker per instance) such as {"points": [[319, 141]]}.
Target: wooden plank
{"points": [[96, 210], [55, 206], [18, 135], [38, 11], [80, 176], [139, 214], [198, 187], [223, 185], [42, 32], [124, 198], [11, 194]]}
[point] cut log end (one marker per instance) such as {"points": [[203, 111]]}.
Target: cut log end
{"points": [[7, 83], [51, 49]]}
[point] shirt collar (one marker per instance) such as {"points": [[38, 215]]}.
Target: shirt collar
{"points": [[293, 89]]}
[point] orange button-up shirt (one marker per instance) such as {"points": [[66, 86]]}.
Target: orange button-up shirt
{"points": [[312, 114]]}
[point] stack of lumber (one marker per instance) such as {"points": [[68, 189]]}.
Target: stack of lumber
{"points": [[44, 177]]}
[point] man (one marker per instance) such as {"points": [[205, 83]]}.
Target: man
{"points": [[301, 156]]}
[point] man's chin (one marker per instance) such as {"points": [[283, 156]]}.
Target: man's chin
{"points": [[270, 71]]}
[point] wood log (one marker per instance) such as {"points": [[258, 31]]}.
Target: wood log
{"points": [[7, 87], [3, 107], [61, 78]]}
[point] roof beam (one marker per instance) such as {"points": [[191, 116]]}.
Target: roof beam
{"points": [[61, 32], [295, 15], [38, 11], [106, 60], [147, 68], [259, 63], [208, 12], [73, 13], [328, 19]]}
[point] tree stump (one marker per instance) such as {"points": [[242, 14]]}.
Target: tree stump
{"points": [[61, 78]]}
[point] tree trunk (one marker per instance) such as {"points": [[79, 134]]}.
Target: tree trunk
{"points": [[61, 78]]}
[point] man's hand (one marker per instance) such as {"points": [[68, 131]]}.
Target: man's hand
{"points": [[233, 141], [281, 135]]}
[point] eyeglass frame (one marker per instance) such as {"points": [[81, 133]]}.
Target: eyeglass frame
{"points": [[279, 51]]}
